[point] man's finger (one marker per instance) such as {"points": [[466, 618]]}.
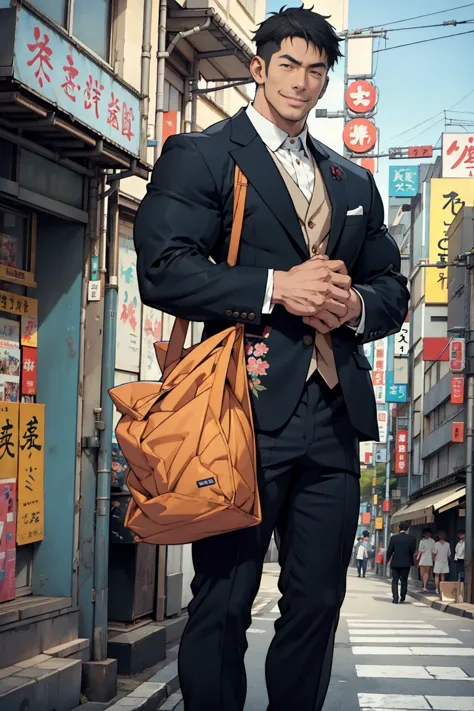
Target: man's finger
{"points": [[329, 319], [342, 280], [336, 265], [336, 308], [342, 295]]}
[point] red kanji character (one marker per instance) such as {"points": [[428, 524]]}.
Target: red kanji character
{"points": [[43, 55], [114, 110], [467, 155], [93, 93], [127, 118], [69, 85]]}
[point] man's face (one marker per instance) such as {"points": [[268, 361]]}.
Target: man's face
{"points": [[462, 536], [427, 534], [294, 80]]}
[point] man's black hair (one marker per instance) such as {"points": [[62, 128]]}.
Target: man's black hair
{"points": [[297, 22], [366, 534], [426, 530], [404, 526], [461, 530]]}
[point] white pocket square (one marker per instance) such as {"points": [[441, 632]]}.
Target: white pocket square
{"points": [[356, 211]]}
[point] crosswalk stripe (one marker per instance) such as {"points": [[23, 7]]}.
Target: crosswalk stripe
{"points": [[401, 632], [415, 651], [380, 671], [353, 614], [275, 609], [404, 640], [412, 702], [393, 626]]}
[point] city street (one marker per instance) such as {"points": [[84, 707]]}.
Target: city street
{"points": [[387, 657]]}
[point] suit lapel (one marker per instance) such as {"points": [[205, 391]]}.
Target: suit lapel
{"points": [[254, 159], [337, 191]]}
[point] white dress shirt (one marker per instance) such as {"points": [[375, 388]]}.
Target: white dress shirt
{"points": [[295, 156]]}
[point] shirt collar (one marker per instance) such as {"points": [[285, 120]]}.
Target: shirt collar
{"points": [[272, 136]]}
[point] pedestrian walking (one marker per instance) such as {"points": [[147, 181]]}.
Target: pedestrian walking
{"points": [[441, 556], [307, 209], [362, 557], [459, 554], [425, 557], [400, 557]]}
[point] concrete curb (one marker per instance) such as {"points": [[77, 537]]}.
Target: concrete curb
{"points": [[160, 689], [460, 610]]}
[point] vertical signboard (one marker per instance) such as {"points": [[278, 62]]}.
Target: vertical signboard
{"points": [[458, 155], [129, 309], [382, 420], [457, 350], [457, 391], [401, 341], [448, 197], [9, 413], [31, 474], [403, 181], [401, 452]]}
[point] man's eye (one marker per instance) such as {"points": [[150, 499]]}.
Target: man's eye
{"points": [[316, 74], [287, 66]]}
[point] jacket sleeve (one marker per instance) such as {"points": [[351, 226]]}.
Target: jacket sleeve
{"points": [[178, 224], [377, 277], [389, 551]]}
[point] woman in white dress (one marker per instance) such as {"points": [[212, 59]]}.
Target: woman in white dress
{"points": [[441, 556]]}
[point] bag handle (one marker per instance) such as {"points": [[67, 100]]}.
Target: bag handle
{"points": [[180, 327]]}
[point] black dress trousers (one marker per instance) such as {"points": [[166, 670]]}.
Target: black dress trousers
{"points": [[309, 488]]}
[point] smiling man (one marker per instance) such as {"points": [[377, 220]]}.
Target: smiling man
{"points": [[317, 276]]}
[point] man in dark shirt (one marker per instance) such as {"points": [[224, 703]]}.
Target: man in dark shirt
{"points": [[400, 554]]}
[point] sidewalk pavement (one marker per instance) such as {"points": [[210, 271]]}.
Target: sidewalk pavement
{"points": [[461, 609]]}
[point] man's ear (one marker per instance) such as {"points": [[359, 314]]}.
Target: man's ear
{"points": [[324, 88], [258, 70]]}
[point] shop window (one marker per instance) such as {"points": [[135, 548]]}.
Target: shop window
{"points": [[91, 25], [54, 9], [89, 21], [6, 159]]}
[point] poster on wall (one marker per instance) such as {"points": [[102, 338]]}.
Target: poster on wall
{"points": [[28, 371], [7, 539], [9, 333], [129, 309], [9, 414], [30, 524], [10, 366], [151, 332], [29, 331]]}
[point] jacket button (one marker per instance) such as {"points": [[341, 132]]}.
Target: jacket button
{"points": [[310, 224], [243, 315], [308, 340], [236, 314], [314, 249], [251, 316], [228, 313]]}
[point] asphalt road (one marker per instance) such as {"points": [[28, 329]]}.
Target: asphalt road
{"points": [[387, 658]]}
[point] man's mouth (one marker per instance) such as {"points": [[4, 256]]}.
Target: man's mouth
{"points": [[295, 99]]}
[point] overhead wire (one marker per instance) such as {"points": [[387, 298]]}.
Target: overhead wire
{"points": [[432, 39], [418, 17]]}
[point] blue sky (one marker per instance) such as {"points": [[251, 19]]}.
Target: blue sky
{"points": [[417, 82]]}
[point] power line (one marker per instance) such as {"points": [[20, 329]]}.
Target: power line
{"points": [[427, 129], [408, 130], [449, 23], [433, 39], [418, 17]]}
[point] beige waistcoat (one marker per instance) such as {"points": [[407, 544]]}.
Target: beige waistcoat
{"points": [[315, 221]]}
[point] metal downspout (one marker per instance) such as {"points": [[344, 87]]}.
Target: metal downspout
{"points": [[104, 466], [145, 76]]}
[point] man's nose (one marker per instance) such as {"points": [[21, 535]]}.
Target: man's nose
{"points": [[299, 80]]}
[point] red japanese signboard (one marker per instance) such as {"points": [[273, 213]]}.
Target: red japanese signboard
{"points": [[386, 506], [170, 124], [365, 518], [361, 96], [457, 391], [458, 155], [28, 371], [369, 164], [457, 355], [378, 377], [457, 432], [360, 135], [420, 151], [401, 452]]}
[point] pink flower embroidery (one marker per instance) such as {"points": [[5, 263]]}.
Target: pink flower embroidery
{"points": [[256, 366], [260, 350]]}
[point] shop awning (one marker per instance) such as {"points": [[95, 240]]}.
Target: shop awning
{"points": [[232, 56], [423, 510]]}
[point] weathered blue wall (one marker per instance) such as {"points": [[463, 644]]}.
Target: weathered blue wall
{"points": [[58, 274]]}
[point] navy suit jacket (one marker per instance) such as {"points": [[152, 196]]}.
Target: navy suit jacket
{"points": [[186, 217]]}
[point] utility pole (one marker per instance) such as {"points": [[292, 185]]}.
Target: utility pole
{"points": [[386, 515]]}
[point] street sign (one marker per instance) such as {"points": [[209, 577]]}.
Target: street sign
{"points": [[395, 392], [401, 452], [457, 349], [380, 455], [375, 500], [382, 421], [360, 135], [457, 432], [420, 151], [361, 96], [365, 518], [457, 391], [402, 344], [386, 506], [458, 155], [379, 523], [403, 181]]}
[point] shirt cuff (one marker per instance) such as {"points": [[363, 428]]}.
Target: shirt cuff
{"points": [[267, 302], [360, 327]]}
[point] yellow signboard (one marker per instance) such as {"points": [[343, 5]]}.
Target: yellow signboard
{"points": [[30, 520], [374, 481], [447, 197], [9, 440], [379, 523], [18, 305], [376, 499]]}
